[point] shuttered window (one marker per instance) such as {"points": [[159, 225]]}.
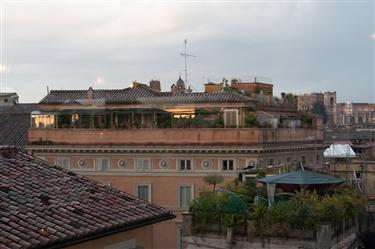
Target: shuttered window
{"points": [[185, 195], [102, 164], [143, 164], [231, 118]]}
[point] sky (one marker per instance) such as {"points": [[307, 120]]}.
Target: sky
{"points": [[300, 47]]}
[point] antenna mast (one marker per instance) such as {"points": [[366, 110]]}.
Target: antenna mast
{"points": [[186, 55]]}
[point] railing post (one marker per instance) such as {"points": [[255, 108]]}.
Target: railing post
{"points": [[323, 236], [186, 224]]}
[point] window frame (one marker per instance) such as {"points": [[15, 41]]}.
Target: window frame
{"points": [[225, 117], [64, 158], [185, 160], [143, 169], [149, 191], [228, 170], [101, 166], [179, 195]]}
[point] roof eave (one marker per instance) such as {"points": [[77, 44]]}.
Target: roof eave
{"points": [[99, 234]]}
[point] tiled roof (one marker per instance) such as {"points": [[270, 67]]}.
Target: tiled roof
{"points": [[19, 108], [141, 95], [110, 96], [46, 206], [199, 97], [14, 122]]}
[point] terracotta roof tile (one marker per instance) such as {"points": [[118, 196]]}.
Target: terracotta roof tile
{"points": [[14, 122], [40, 210], [141, 95]]}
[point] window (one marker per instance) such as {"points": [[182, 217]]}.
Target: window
{"points": [[231, 118], [102, 164], [63, 163], [143, 164], [288, 159], [185, 196], [227, 165], [303, 160], [318, 158], [144, 192], [271, 162], [185, 164]]}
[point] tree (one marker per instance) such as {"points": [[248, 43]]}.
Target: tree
{"points": [[289, 97], [214, 180], [250, 120], [320, 109]]}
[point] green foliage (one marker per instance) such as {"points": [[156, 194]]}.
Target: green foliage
{"points": [[319, 109], [307, 209], [276, 100], [208, 118], [261, 173], [213, 179], [235, 80], [205, 209], [250, 120], [303, 212], [218, 207], [289, 98], [164, 121]]}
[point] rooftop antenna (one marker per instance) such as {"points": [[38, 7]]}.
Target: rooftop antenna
{"points": [[186, 55]]}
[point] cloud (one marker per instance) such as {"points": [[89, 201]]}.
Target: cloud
{"points": [[303, 47]]}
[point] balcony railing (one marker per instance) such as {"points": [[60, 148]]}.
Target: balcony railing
{"points": [[188, 136]]}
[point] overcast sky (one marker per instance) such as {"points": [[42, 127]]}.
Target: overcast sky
{"points": [[302, 47]]}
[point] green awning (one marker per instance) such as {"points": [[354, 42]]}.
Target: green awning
{"points": [[301, 178]]}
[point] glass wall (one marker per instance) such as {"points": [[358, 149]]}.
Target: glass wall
{"points": [[43, 121]]}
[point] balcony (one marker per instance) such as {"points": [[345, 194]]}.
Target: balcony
{"points": [[173, 136]]}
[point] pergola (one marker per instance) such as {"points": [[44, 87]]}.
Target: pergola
{"points": [[292, 181]]}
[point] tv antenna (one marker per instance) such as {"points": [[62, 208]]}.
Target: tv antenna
{"points": [[186, 55]]}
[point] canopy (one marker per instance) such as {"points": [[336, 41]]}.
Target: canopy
{"points": [[295, 180], [339, 151], [301, 178]]}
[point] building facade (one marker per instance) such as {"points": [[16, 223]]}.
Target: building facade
{"points": [[306, 102], [356, 114], [159, 145]]}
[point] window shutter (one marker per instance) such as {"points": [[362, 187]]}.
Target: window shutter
{"points": [[139, 165], [105, 164], [146, 164], [98, 164]]}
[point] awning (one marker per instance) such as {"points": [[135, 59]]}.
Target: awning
{"points": [[301, 178]]}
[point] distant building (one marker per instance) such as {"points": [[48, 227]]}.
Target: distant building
{"points": [[8, 99], [306, 102], [45, 206], [179, 87], [357, 114], [330, 102], [252, 89]]}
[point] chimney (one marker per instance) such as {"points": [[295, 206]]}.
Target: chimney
{"points": [[90, 93], [155, 84], [283, 97]]}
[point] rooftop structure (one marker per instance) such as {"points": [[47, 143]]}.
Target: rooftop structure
{"points": [[159, 145], [8, 99], [46, 206]]}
